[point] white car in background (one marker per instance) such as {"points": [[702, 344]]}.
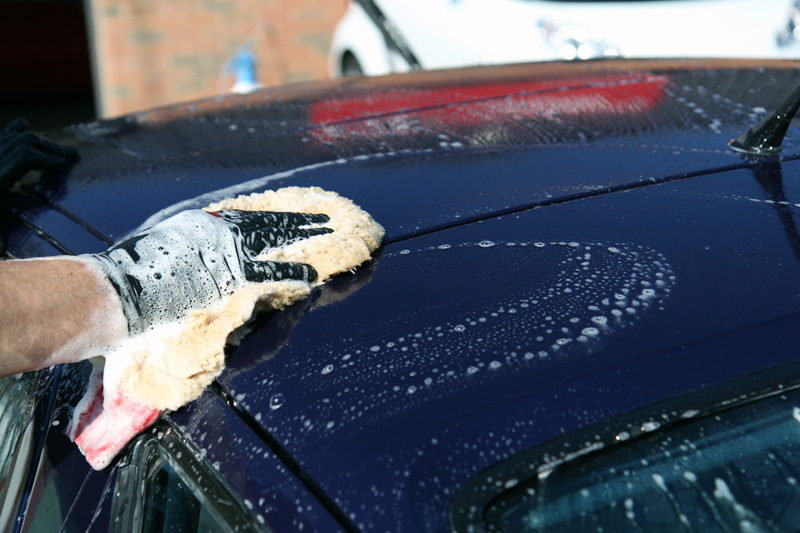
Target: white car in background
{"points": [[382, 36]]}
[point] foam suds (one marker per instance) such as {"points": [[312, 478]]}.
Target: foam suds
{"points": [[170, 364]]}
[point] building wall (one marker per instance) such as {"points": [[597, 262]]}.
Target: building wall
{"points": [[153, 52]]}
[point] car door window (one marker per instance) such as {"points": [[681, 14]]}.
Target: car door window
{"points": [[16, 406], [171, 506], [165, 486]]}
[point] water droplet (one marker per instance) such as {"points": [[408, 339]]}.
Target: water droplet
{"points": [[276, 401], [328, 369], [650, 426], [591, 332], [486, 244]]}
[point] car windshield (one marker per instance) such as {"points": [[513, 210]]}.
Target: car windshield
{"points": [[733, 471]]}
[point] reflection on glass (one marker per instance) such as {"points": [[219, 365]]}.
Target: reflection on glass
{"points": [[170, 506], [16, 404], [738, 471]]}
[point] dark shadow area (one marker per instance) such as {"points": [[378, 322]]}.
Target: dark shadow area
{"points": [[44, 55]]}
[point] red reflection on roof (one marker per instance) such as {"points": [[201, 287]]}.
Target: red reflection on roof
{"points": [[462, 106]]}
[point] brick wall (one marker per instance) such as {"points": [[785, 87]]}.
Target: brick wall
{"points": [[155, 52]]}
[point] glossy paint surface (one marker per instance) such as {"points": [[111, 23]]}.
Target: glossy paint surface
{"points": [[495, 140], [563, 245], [455, 350]]}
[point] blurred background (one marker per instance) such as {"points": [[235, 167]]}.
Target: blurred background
{"points": [[67, 61]]}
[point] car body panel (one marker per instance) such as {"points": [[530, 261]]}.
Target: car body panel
{"points": [[448, 328], [490, 203], [641, 121], [276, 495], [67, 494]]}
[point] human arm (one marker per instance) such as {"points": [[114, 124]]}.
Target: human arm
{"points": [[54, 310], [70, 309]]}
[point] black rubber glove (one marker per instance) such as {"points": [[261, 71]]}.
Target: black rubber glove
{"points": [[22, 150], [196, 258]]}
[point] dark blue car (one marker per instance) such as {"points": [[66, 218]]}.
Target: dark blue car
{"points": [[585, 315]]}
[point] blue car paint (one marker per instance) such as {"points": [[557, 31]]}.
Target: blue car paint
{"points": [[375, 400], [177, 154], [382, 443]]}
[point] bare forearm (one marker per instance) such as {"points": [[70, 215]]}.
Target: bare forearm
{"points": [[54, 310]]}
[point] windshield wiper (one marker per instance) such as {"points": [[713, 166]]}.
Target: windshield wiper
{"points": [[394, 39], [766, 137]]}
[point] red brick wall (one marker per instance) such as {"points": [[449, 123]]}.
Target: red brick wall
{"points": [[154, 52]]}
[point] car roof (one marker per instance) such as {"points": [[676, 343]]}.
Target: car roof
{"points": [[574, 128], [565, 243], [463, 347]]}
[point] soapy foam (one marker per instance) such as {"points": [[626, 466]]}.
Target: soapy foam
{"points": [[105, 324], [170, 364], [105, 419]]}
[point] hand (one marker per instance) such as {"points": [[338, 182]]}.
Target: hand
{"points": [[22, 150], [196, 258]]}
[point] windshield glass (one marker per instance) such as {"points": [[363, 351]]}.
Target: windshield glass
{"points": [[733, 472]]}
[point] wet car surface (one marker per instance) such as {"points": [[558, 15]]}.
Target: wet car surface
{"points": [[565, 244]]}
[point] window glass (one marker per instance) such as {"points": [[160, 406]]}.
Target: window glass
{"points": [[170, 506], [736, 471], [16, 404], [165, 486]]}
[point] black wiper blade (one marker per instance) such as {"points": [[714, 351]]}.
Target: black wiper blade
{"points": [[766, 137], [390, 33]]}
